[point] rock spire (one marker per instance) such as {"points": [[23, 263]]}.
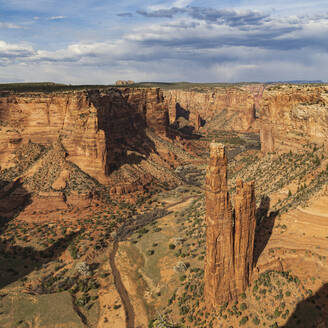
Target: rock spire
{"points": [[229, 235]]}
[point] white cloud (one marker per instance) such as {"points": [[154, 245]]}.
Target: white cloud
{"points": [[15, 51], [56, 17], [169, 4], [9, 26], [185, 48], [181, 3]]}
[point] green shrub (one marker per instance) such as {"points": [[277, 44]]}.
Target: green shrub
{"points": [[243, 321], [243, 306], [184, 310], [183, 277], [277, 313], [256, 321]]}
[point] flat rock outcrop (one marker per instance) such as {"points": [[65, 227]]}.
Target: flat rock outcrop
{"points": [[229, 236], [124, 82]]}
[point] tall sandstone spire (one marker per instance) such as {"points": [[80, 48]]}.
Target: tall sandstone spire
{"points": [[229, 236]]}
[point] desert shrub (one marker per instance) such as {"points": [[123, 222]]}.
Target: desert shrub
{"points": [[256, 321], [243, 306], [243, 321], [183, 277]]}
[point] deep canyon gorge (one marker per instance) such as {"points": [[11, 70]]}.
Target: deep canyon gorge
{"points": [[107, 211]]}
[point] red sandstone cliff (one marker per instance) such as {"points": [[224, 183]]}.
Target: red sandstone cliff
{"points": [[291, 116], [229, 238], [100, 130], [287, 116], [235, 105]]}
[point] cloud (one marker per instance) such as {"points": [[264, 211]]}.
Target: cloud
{"points": [[56, 17], [169, 4], [162, 13], [15, 51], [229, 17], [9, 26], [181, 3], [182, 25], [125, 15], [188, 43], [259, 31]]}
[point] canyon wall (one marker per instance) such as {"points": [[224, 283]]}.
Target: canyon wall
{"points": [[291, 116], [235, 106], [99, 129], [229, 236], [102, 130], [286, 116]]}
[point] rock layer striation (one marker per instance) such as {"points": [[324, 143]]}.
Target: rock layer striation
{"points": [[287, 116], [229, 235], [101, 130]]}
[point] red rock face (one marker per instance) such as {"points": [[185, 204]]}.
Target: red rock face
{"points": [[244, 234], [288, 116], [198, 122], [99, 129], [236, 105], [219, 266], [296, 115], [229, 237], [267, 139]]}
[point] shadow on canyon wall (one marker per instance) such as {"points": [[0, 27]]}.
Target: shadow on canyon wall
{"points": [[125, 126], [17, 261], [125, 131], [312, 312], [264, 225], [183, 125], [181, 112], [13, 199]]}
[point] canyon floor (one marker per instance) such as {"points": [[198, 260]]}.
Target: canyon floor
{"points": [[71, 260]]}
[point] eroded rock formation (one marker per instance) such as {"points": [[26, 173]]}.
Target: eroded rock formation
{"points": [[124, 82], [296, 115], [100, 130], [233, 107], [198, 122], [267, 138], [244, 233], [229, 236], [219, 266], [287, 116]]}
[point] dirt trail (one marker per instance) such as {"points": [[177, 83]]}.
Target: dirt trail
{"points": [[79, 313], [128, 308]]}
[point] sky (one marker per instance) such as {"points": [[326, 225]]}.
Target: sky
{"points": [[101, 41]]}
